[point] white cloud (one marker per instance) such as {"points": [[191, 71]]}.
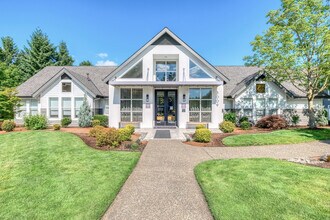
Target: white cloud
{"points": [[106, 63], [102, 55]]}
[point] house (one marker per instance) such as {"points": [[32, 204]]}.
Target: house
{"points": [[164, 83]]}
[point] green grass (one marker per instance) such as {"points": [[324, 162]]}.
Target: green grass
{"points": [[264, 189], [278, 137], [54, 175]]}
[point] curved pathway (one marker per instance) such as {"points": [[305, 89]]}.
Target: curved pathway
{"points": [[163, 185]]}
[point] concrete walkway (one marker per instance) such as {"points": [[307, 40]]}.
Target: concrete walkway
{"points": [[163, 185]]}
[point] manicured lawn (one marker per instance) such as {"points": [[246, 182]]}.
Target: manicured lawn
{"points": [[264, 189], [278, 137], [54, 175]]}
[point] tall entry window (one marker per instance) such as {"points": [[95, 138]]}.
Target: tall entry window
{"points": [[165, 71], [53, 107], [200, 105], [66, 107], [131, 101]]}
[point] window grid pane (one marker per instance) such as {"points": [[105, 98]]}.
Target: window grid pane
{"points": [[166, 71], [53, 107], [200, 105], [131, 105]]}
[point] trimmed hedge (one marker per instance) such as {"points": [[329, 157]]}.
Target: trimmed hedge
{"points": [[103, 119], [131, 128], [56, 127], [8, 125], [203, 135], [96, 122], [245, 125], [227, 127], [124, 134], [95, 131], [108, 137], [65, 122], [35, 122], [230, 116], [200, 126]]}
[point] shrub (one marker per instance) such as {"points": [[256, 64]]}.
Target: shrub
{"points": [[95, 131], [245, 125], [56, 127], [85, 114], [230, 116], [202, 135], [8, 125], [227, 127], [295, 119], [124, 134], [243, 118], [104, 119], [35, 122], [131, 128], [1, 121], [134, 146], [272, 122], [108, 137], [65, 122], [200, 126], [321, 116], [96, 123]]}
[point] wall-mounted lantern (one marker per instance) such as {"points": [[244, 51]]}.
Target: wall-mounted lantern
{"points": [[184, 98], [147, 98]]}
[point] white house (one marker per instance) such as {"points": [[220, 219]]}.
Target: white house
{"points": [[165, 83]]}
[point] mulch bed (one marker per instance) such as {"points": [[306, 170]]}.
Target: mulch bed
{"points": [[218, 137]]}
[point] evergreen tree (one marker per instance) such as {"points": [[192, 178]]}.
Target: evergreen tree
{"points": [[63, 56], [9, 103], [85, 114], [8, 51], [85, 63], [39, 54]]}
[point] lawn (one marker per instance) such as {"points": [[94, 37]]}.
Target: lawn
{"points": [[54, 175], [278, 137], [264, 189]]}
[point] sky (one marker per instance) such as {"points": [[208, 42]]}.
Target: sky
{"points": [[108, 32]]}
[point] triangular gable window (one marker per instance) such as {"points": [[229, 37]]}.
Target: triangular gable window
{"points": [[135, 72], [65, 76], [195, 72]]}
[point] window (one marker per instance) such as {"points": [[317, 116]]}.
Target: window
{"points": [[196, 72], [77, 104], [33, 107], [272, 106], [200, 105], [165, 71], [66, 107], [260, 108], [131, 102], [247, 107], [66, 87], [53, 107], [260, 88], [135, 72], [22, 109]]}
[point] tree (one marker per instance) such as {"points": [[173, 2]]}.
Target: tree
{"points": [[85, 114], [9, 51], [63, 56], [296, 48], [9, 103], [10, 76], [39, 54], [85, 63]]}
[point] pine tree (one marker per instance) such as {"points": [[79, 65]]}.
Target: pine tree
{"points": [[85, 114], [40, 53], [63, 57], [85, 63], [9, 51]]}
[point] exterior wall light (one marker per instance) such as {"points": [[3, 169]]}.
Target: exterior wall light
{"points": [[184, 98], [147, 98]]}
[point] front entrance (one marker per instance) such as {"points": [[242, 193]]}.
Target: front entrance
{"points": [[166, 108]]}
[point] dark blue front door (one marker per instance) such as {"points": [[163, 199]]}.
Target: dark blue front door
{"points": [[166, 108]]}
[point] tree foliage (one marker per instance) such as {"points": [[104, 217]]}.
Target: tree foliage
{"points": [[85, 114], [86, 63], [63, 55], [296, 47], [9, 102], [9, 51]]}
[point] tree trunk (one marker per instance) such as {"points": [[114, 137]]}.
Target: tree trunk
{"points": [[311, 114]]}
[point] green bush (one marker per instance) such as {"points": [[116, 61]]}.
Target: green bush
{"points": [[124, 134], [35, 122], [95, 131], [65, 122], [1, 121], [245, 125], [56, 127], [203, 135], [131, 128], [103, 119], [108, 137], [295, 120], [8, 125], [230, 116], [134, 146], [96, 122], [200, 126], [227, 127], [243, 118]]}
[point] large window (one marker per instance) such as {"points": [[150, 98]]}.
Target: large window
{"points": [[200, 105], [272, 106], [196, 72], [247, 107], [260, 108], [22, 109], [66, 107], [77, 104], [131, 102], [135, 72], [66, 87], [33, 107], [53, 107], [165, 71]]}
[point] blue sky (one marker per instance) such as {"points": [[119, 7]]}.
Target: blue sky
{"points": [[219, 30]]}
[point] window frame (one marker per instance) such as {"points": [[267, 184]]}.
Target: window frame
{"points": [[196, 78], [22, 110], [63, 86], [263, 89], [131, 100], [167, 71], [66, 109], [50, 109], [35, 108], [76, 115], [132, 67], [200, 111]]}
